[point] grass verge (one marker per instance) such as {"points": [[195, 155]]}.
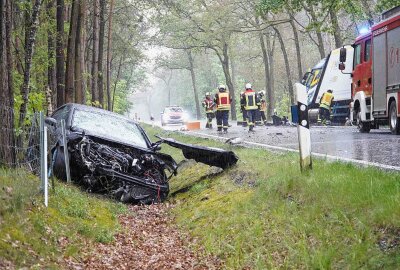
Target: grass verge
{"points": [[263, 213], [38, 237]]}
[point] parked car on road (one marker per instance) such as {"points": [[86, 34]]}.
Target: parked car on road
{"points": [[173, 115]]}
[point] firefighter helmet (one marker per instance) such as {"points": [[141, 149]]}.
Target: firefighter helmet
{"points": [[330, 91], [222, 88], [208, 94], [248, 85], [261, 93]]}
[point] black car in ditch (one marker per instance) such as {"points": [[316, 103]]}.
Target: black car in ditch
{"points": [[109, 153]]}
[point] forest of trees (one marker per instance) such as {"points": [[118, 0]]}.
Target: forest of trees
{"points": [[95, 51]]}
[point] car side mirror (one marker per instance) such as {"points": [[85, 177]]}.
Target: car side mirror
{"points": [[342, 66], [343, 54], [50, 121]]}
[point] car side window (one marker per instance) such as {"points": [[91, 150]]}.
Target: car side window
{"points": [[61, 114]]}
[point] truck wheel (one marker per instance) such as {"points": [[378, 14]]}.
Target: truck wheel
{"points": [[394, 121], [59, 164], [363, 127]]}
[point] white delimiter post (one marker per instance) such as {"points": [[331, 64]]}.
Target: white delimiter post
{"points": [[303, 129], [46, 179]]}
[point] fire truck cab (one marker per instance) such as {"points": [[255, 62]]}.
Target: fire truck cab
{"points": [[376, 75]]}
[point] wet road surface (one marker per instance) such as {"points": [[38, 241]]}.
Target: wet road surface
{"points": [[378, 146]]}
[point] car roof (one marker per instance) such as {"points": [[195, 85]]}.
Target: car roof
{"points": [[93, 109]]}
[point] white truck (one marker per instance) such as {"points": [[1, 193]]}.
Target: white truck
{"points": [[324, 76]]}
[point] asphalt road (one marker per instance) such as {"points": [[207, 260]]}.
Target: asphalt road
{"points": [[378, 148]]}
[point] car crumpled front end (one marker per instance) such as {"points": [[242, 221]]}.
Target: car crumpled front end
{"points": [[130, 174]]}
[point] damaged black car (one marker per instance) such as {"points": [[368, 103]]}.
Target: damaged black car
{"points": [[109, 153]]}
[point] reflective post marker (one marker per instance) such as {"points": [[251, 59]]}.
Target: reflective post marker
{"points": [[303, 129], [66, 156]]}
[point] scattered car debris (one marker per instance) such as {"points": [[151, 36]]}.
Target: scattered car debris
{"points": [[109, 153], [234, 140], [208, 155]]}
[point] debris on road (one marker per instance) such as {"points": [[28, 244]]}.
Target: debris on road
{"points": [[147, 241], [234, 140]]}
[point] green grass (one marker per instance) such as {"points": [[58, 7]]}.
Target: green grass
{"points": [[263, 213], [34, 236]]}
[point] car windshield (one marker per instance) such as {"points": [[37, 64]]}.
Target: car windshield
{"points": [[174, 109], [109, 126]]}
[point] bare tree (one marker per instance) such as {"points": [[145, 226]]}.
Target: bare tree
{"points": [[109, 38], [29, 46], [95, 54], [60, 70]]}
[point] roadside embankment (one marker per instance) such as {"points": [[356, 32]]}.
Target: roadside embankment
{"points": [[263, 213]]}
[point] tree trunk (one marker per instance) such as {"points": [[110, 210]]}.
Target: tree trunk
{"points": [[51, 48], [70, 66], [266, 74], [224, 59], [335, 28], [320, 40], [287, 65], [297, 46], [60, 70], [79, 57], [116, 81], [271, 95], [233, 70], [29, 46], [95, 56], [109, 38], [7, 135], [101, 50], [193, 75]]}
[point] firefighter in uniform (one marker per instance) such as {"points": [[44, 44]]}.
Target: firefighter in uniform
{"points": [[325, 104], [223, 102], [208, 104], [243, 111], [251, 103], [263, 106]]}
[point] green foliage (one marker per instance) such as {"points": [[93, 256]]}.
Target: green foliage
{"points": [[383, 5], [72, 222]]}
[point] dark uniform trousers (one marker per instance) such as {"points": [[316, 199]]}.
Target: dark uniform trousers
{"points": [[222, 119], [251, 116]]}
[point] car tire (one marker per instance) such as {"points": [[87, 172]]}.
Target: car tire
{"points": [[59, 164], [363, 127], [394, 121]]}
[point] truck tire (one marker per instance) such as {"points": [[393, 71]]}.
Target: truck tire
{"points": [[394, 121], [59, 164], [363, 127]]}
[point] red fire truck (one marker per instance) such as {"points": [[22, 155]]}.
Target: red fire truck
{"points": [[376, 75]]}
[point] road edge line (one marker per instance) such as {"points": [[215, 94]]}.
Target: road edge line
{"points": [[318, 155]]}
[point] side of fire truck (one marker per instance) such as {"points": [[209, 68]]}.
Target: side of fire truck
{"points": [[376, 75]]}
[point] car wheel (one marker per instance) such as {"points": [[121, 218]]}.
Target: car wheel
{"points": [[59, 164], [394, 121], [363, 127]]}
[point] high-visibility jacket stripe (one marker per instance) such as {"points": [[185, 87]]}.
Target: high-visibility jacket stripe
{"points": [[224, 102], [250, 101]]}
